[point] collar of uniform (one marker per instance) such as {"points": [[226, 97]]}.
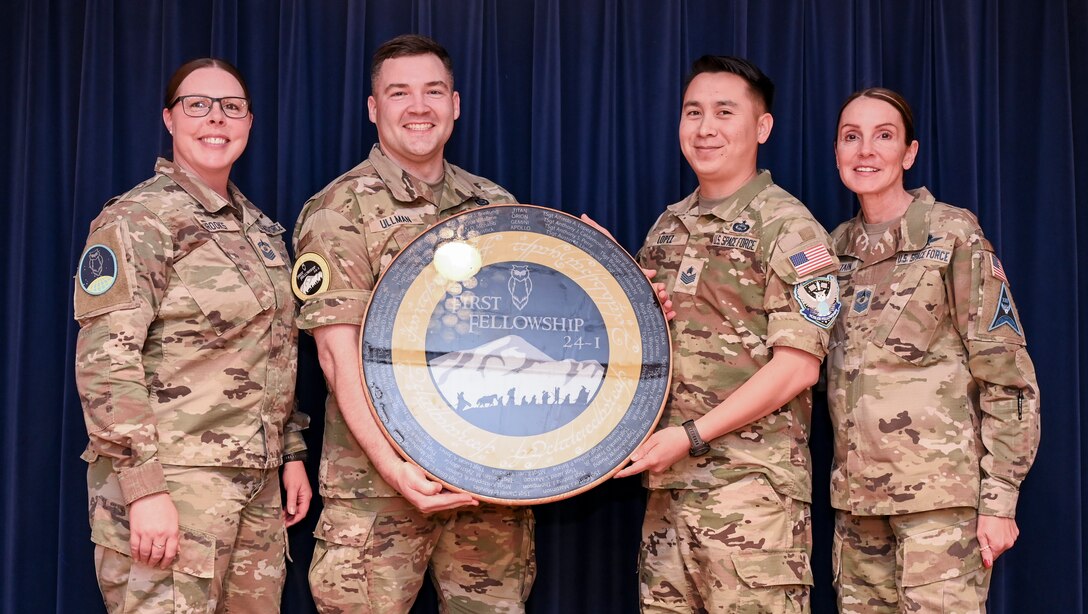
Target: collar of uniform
{"points": [[732, 206], [207, 197], [406, 187], [914, 227], [913, 233]]}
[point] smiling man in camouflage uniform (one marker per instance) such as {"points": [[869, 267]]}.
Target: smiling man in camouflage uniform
{"points": [[384, 521], [727, 525]]}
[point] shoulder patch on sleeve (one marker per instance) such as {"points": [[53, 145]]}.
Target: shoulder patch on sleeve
{"points": [[819, 300], [103, 278], [810, 260], [310, 276], [1004, 315], [996, 270]]}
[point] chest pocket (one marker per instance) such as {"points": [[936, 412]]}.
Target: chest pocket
{"points": [[219, 288], [386, 245], [909, 320]]}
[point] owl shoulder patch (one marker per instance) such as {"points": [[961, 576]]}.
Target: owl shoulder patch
{"points": [[310, 276], [103, 279]]}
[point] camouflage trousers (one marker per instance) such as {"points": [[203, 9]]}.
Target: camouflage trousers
{"points": [[922, 562], [230, 553], [372, 554], [741, 547]]}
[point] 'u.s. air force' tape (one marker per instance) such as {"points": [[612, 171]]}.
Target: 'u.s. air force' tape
{"points": [[310, 276]]}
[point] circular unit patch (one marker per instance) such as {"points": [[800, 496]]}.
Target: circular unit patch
{"points": [[516, 353], [310, 276], [97, 270]]}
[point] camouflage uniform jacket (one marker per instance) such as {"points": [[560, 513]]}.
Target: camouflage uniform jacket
{"points": [[735, 276], [354, 227], [189, 357], [933, 397]]}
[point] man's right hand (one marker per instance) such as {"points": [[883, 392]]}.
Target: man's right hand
{"points": [[426, 495], [153, 530]]}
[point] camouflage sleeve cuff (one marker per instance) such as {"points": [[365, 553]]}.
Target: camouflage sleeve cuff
{"points": [[792, 330], [142, 480], [998, 498], [293, 442], [335, 307]]}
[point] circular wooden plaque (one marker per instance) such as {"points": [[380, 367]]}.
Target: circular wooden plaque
{"points": [[515, 353]]}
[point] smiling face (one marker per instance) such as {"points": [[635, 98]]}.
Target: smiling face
{"points": [[208, 146], [722, 125], [871, 151], [414, 106]]}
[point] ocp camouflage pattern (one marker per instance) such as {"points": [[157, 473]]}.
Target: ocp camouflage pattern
{"points": [[358, 223], [933, 396], [190, 357], [728, 320]]}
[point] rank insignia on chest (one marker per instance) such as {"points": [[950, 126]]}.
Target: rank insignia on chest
{"points": [[687, 277], [819, 300], [264, 247], [1003, 314], [863, 297]]}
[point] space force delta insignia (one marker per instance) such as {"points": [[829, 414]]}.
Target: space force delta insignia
{"points": [[1003, 313], [819, 300], [310, 276]]}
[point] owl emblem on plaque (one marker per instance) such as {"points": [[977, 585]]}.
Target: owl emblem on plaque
{"points": [[516, 353]]}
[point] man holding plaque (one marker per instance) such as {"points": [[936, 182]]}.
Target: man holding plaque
{"points": [[752, 281], [384, 521]]}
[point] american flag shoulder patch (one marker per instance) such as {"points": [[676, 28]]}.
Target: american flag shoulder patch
{"points": [[996, 268], [811, 259]]}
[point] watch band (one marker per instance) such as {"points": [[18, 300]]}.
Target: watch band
{"points": [[698, 446], [301, 455]]}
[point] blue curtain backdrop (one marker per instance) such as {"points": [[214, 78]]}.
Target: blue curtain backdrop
{"points": [[568, 103]]}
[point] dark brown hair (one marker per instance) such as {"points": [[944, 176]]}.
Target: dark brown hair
{"points": [[189, 67], [407, 45], [891, 97]]}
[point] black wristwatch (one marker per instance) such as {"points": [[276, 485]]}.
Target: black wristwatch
{"points": [[698, 446], [301, 455]]}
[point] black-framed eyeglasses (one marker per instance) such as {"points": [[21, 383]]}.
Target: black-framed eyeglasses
{"points": [[234, 107]]}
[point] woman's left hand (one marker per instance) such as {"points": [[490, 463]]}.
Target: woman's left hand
{"points": [[298, 496], [995, 536]]}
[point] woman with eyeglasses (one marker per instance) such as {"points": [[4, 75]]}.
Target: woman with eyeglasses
{"points": [[933, 397], [185, 364]]}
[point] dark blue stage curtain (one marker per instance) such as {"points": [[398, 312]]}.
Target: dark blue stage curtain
{"points": [[568, 103]]}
